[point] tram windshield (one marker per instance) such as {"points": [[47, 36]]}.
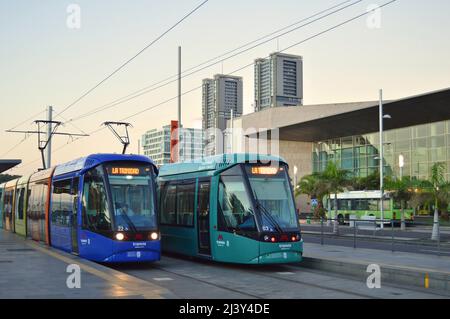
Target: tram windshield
{"points": [[273, 195], [132, 203]]}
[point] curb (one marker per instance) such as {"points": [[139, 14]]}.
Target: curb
{"points": [[438, 281]]}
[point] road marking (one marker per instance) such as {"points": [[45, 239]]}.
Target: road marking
{"points": [[162, 279], [285, 273]]}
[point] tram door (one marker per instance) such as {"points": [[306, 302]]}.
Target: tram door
{"points": [[75, 208], [204, 244]]}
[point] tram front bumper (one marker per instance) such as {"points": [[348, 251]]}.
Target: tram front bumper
{"points": [[280, 253]]}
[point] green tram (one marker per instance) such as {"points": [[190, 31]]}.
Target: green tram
{"points": [[235, 208]]}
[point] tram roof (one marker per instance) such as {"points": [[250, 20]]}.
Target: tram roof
{"points": [[217, 163], [92, 160]]}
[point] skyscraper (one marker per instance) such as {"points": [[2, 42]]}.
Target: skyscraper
{"points": [[278, 81], [220, 95]]}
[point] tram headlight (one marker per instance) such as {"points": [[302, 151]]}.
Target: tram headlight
{"points": [[154, 236], [120, 236], [266, 238]]}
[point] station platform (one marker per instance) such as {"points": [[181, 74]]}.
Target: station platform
{"points": [[385, 257], [29, 270], [405, 268]]}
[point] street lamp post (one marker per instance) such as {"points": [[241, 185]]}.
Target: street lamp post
{"points": [[295, 176], [381, 118], [401, 163]]}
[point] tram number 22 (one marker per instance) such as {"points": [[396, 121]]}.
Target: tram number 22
{"points": [[233, 309]]}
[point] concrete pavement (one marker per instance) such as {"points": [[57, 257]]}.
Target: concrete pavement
{"points": [[31, 270]]}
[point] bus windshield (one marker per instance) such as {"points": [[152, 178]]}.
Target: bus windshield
{"points": [[132, 191], [270, 186]]}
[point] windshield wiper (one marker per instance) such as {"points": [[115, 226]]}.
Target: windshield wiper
{"points": [[266, 212], [128, 221]]}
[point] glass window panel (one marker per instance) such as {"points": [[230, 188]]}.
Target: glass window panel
{"points": [[420, 131], [403, 146], [347, 142], [403, 134], [436, 141], [389, 136], [420, 143], [437, 128], [372, 150], [437, 155], [347, 163], [347, 153]]}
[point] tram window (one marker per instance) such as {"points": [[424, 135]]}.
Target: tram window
{"points": [[8, 203], [235, 208], [61, 203], [185, 204], [20, 203], [168, 204], [177, 204], [95, 205]]}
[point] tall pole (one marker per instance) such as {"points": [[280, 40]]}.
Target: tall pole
{"points": [[381, 160], [179, 104], [49, 136]]}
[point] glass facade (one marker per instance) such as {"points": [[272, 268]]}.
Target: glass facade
{"points": [[421, 146]]}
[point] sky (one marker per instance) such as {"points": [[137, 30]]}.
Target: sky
{"points": [[45, 62]]}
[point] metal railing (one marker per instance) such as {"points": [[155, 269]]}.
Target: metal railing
{"points": [[368, 233]]}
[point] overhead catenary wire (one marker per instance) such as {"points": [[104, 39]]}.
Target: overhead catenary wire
{"points": [[27, 120], [132, 58], [239, 69], [163, 83]]}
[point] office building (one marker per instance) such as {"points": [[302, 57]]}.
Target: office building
{"points": [[278, 81]]}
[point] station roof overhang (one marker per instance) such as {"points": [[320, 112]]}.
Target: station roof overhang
{"points": [[8, 164], [321, 122]]}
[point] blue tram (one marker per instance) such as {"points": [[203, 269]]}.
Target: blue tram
{"points": [[101, 207]]}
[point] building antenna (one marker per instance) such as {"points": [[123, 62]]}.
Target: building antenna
{"points": [[123, 138], [46, 129]]}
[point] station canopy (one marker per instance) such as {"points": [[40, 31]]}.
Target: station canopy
{"points": [[8, 164]]}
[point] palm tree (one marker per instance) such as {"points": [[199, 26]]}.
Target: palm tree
{"points": [[439, 191], [335, 179], [313, 186], [402, 191]]}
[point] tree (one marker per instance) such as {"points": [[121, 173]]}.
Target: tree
{"points": [[335, 179], [439, 192], [369, 182], [402, 190], [313, 186]]}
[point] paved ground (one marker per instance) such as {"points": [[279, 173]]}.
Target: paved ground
{"points": [[29, 270], [192, 278]]}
